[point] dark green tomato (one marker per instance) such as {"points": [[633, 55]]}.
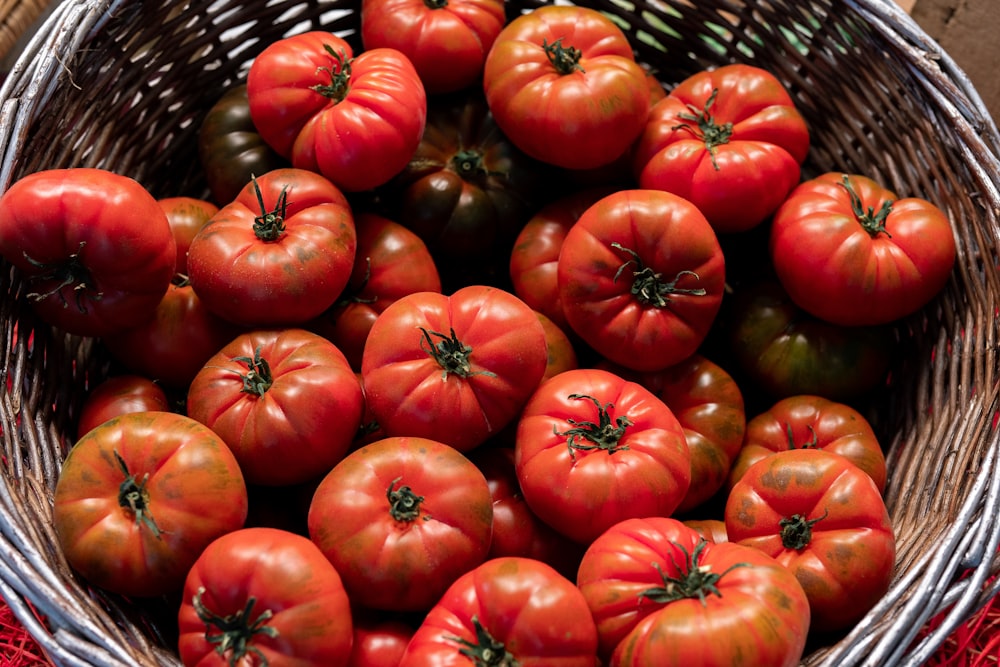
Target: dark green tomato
{"points": [[230, 149]]}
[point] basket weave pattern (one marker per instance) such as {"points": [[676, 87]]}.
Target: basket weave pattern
{"points": [[123, 85]]}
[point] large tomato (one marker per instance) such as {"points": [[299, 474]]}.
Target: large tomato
{"points": [[662, 595], [279, 254], [356, 120], [285, 401], [851, 252], [378, 642], [186, 215], [120, 395], [729, 140], [641, 276], [264, 596], [508, 611], [140, 496], [823, 519], [456, 368], [93, 246], [446, 40], [593, 449], [401, 519], [564, 86]]}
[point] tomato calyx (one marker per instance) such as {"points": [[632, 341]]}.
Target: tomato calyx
{"points": [[485, 651], [648, 286], [870, 221], [566, 60], [450, 353], [258, 378], [340, 76], [404, 504], [468, 163], [236, 631], [708, 131], [133, 496], [693, 579], [812, 444], [70, 272], [796, 530], [436, 4], [605, 434], [270, 225]]}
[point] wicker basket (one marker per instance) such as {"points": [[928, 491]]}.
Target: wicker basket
{"points": [[123, 85], [16, 17]]}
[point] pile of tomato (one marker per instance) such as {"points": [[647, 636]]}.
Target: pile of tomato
{"points": [[488, 350]]}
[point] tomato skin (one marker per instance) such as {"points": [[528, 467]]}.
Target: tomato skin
{"points": [[294, 425], [860, 274], [119, 395], [186, 215], [756, 595], [845, 559], [280, 572], [739, 182], [410, 392], [447, 42], [583, 489], [393, 559], [379, 643], [713, 530], [562, 355], [249, 278], [105, 229], [605, 93], [194, 492], [538, 616]]}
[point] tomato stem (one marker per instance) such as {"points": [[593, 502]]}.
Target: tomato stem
{"points": [[340, 76], [451, 354], [693, 579], [133, 496], [796, 530], [710, 132], [404, 504], [68, 273], [605, 434], [485, 651], [270, 225], [236, 631], [872, 222], [436, 4], [468, 163], [566, 60], [812, 444], [258, 378], [648, 286]]}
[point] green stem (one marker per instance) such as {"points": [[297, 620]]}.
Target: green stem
{"points": [[134, 497], [872, 222], [70, 273], [340, 76], [404, 504], [452, 355], [234, 634], [693, 579], [648, 286], [566, 60], [796, 530], [706, 128], [485, 651], [605, 434], [270, 225], [258, 378]]}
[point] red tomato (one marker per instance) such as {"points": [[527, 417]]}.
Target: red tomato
{"points": [[562, 355], [186, 215], [140, 496], [355, 120], [730, 141], [446, 40], [279, 254], [641, 276], [662, 595], [507, 611], [851, 252], [456, 368], [562, 62], [823, 519], [120, 395], [264, 596], [285, 401], [401, 519], [713, 530], [379, 643], [593, 449], [94, 248]]}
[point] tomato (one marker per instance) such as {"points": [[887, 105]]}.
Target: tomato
{"points": [[401, 519], [279, 254], [641, 276], [662, 595], [823, 519], [812, 422], [562, 355], [390, 262], [851, 252], [507, 611], [379, 643], [446, 40], [94, 248], [456, 368], [264, 596], [593, 449], [186, 215], [355, 120], [564, 86], [285, 401], [729, 140], [120, 395], [140, 496], [713, 530]]}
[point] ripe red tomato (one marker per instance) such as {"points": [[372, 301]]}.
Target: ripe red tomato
{"points": [[401, 519], [94, 248], [285, 401], [355, 120], [279, 254], [455, 369], [446, 40], [562, 354], [186, 215], [507, 611], [872, 257], [140, 496], [729, 140], [264, 596], [662, 595], [378, 642], [823, 519], [641, 276], [120, 395], [713, 530], [561, 62], [593, 449]]}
